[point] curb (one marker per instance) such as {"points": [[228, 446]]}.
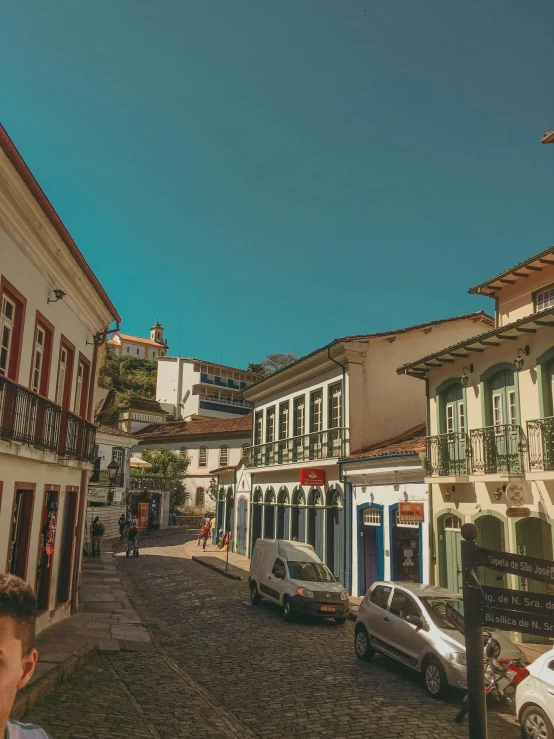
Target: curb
{"points": [[215, 568], [47, 683]]}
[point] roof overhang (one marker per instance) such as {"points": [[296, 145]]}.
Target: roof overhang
{"points": [[478, 344], [516, 274], [548, 138]]}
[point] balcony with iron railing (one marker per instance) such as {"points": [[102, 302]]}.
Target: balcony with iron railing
{"points": [[540, 438], [498, 449], [329, 444], [28, 418], [448, 455]]}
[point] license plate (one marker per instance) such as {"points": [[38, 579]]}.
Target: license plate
{"points": [[329, 609]]}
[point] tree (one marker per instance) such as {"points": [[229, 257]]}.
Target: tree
{"points": [[258, 369], [126, 374], [271, 364], [168, 463]]}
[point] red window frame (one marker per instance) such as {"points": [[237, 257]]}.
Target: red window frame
{"points": [[48, 329], [82, 410], [67, 395], [6, 288]]}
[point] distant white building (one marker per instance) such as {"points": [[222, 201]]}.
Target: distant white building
{"points": [[191, 388], [210, 445], [135, 346]]}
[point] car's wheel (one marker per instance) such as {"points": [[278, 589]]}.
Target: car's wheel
{"points": [[434, 677], [535, 724], [340, 621], [287, 609], [255, 597], [362, 646]]}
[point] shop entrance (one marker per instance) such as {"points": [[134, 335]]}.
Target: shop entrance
{"points": [[48, 525], [334, 555], [68, 539], [405, 548], [534, 539], [371, 546], [20, 533]]}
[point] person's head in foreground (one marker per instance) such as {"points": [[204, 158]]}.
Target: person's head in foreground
{"points": [[18, 655]]}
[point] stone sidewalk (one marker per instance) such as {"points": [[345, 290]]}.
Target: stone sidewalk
{"points": [[105, 621]]}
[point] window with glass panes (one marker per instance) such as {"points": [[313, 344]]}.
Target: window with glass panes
{"points": [[62, 372], [316, 411], [79, 388], [335, 406], [203, 456], [38, 359], [544, 299], [223, 456], [284, 420], [270, 425], [258, 428], [7, 319], [299, 416]]}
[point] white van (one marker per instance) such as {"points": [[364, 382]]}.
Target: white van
{"points": [[291, 574]]}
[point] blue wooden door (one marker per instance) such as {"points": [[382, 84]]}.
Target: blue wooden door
{"points": [[241, 526], [286, 527], [256, 525], [334, 557], [301, 524]]}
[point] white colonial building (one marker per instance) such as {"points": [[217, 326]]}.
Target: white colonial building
{"points": [[210, 444], [54, 316], [124, 345], [343, 397], [192, 388]]}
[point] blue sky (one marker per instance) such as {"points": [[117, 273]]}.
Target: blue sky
{"points": [[266, 176]]}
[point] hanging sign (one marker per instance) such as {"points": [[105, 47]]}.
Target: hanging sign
{"points": [[312, 476], [517, 494], [496, 618], [518, 512], [520, 600], [411, 513], [517, 564]]}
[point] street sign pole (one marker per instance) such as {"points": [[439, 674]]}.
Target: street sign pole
{"points": [[476, 699]]}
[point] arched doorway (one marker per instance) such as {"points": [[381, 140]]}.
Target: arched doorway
{"points": [[315, 520], [405, 547], [450, 557], [298, 515], [242, 508], [334, 540], [491, 536], [269, 514], [283, 514], [220, 512], [257, 501], [370, 528]]}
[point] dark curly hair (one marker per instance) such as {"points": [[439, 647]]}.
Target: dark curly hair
{"points": [[18, 600]]}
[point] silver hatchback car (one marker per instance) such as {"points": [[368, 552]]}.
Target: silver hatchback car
{"points": [[416, 625]]}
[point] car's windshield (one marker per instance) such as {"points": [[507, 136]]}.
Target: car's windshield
{"points": [[311, 571], [438, 609]]}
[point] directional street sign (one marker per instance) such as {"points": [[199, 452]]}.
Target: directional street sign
{"points": [[518, 600], [532, 623], [517, 564]]}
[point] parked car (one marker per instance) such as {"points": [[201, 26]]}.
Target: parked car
{"points": [[417, 625], [291, 574], [535, 699]]}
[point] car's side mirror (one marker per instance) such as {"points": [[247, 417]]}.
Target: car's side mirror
{"points": [[279, 574], [416, 621]]}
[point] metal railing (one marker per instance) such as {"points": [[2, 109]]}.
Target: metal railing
{"points": [[540, 437], [499, 448], [28, 418], [318, 445], [149, 482], [448, 454], [226, 401]]}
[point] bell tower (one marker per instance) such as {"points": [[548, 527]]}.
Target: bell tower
{"points": [[157, 335]]}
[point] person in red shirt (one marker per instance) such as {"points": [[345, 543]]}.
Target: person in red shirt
{"points": [[205, 533]]}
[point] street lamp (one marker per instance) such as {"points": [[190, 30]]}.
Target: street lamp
{"points": [[113, 469]]}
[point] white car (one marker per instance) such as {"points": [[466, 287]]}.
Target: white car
{"points": [[535, 699]]}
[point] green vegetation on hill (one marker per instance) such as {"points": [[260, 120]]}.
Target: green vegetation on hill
{"points": [[129, 375]]}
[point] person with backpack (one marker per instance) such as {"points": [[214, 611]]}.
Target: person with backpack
{"points": [[97, 532]]}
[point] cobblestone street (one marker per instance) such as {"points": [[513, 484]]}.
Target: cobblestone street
{"points": [[222, 667]]}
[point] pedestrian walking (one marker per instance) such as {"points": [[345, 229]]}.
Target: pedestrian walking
{"points": [[122, 526], [97, 532], [204, 535], [19, 657]]}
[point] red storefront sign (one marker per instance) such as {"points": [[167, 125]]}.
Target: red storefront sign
{"points": [[312, 476], [411, 513]]}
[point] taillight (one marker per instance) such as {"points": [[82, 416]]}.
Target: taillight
{"points": [[520, 675]]}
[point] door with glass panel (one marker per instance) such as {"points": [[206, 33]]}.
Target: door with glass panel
{"points": [[454, 448], [316, 424], [450, 555], [502, 449]]}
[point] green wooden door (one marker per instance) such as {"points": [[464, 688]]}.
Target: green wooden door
{"points": [[534, 539], [503, 453], [491, 536], [450, 562], [454, 442]]}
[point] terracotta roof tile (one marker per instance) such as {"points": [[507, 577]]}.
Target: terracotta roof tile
{"points": [[411, 441], [136, 340], [196, 427], [114, 431]]}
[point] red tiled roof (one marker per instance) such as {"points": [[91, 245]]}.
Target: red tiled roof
{"points": [[224, 469], [114, 431], [136, 339], [411, 441], [193, 428]]}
